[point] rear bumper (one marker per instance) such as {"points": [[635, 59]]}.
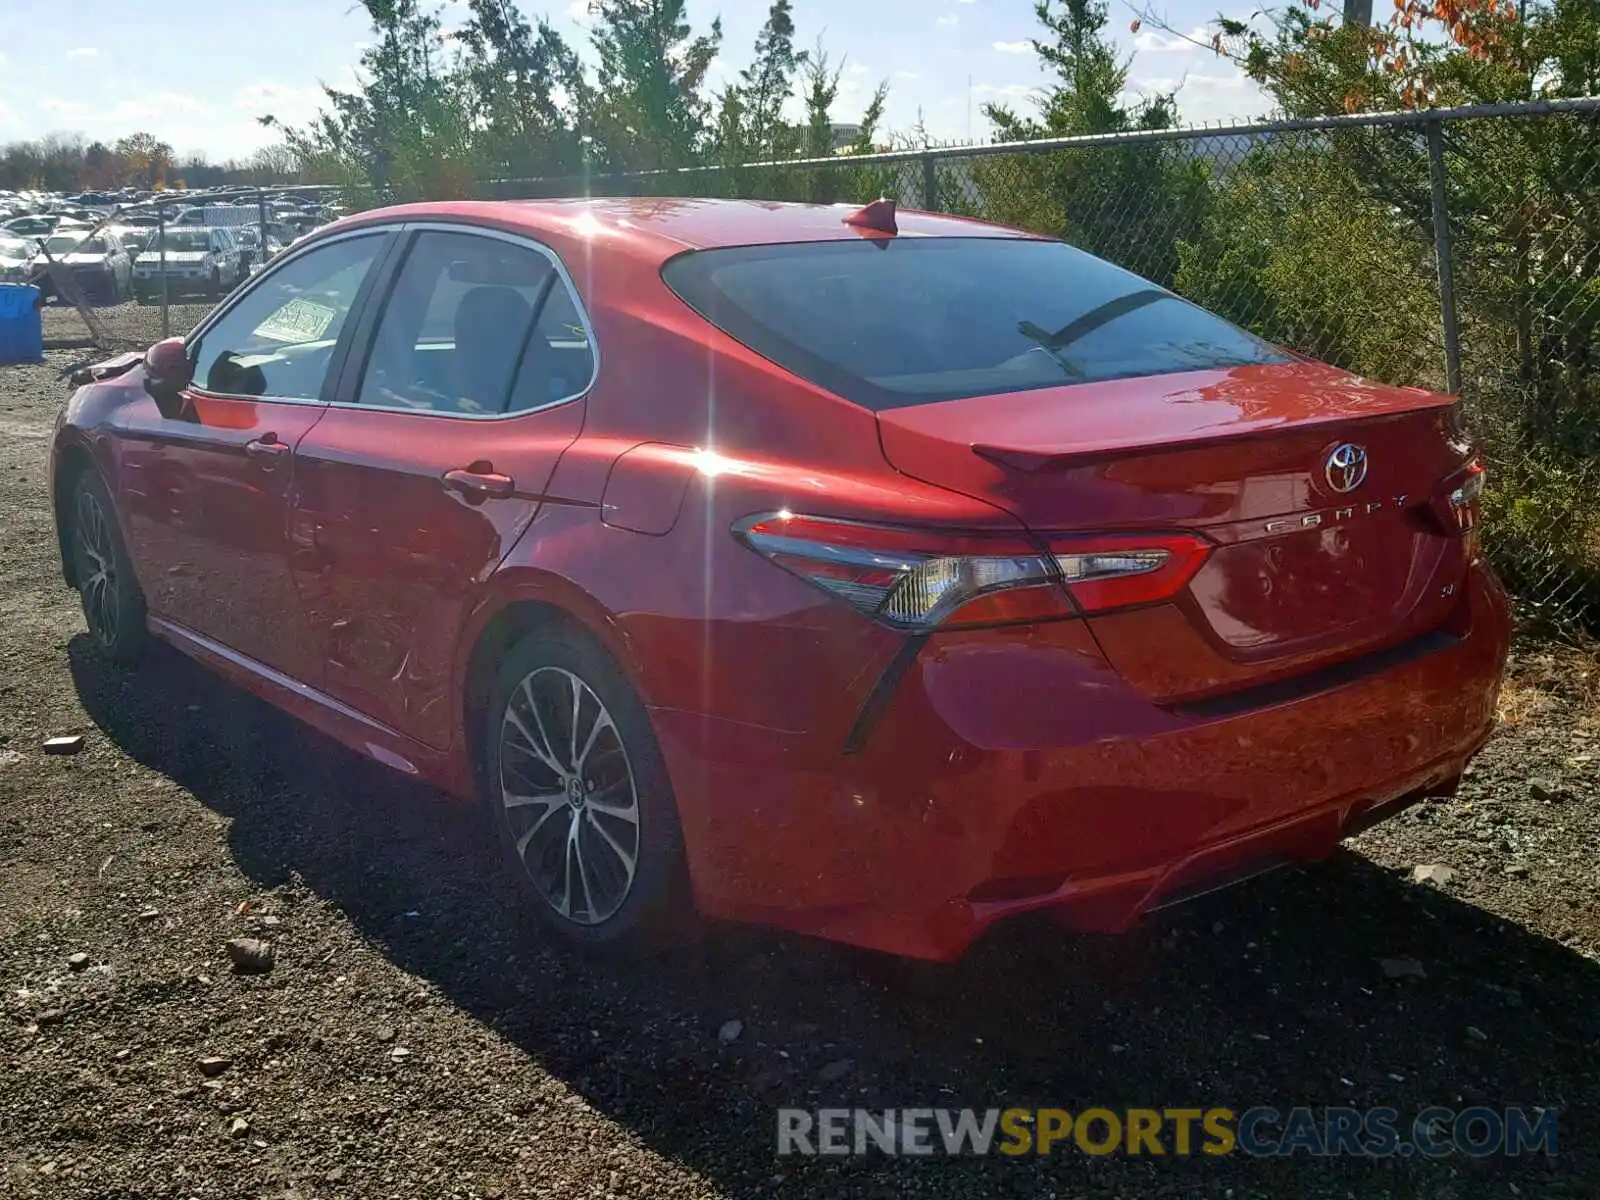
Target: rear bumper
{"points": [[1014, 771], [150, 285]]}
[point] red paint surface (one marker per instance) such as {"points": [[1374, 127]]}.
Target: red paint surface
{"points": [[1046, 765]]}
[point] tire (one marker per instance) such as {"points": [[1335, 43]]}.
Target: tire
{"points": [[215, 292], [113, 606], [601, 904]]}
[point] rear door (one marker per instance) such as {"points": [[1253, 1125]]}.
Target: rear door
{"points": [[433, 462]]}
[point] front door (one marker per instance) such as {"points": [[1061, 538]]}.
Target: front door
{"points": [[207, 491], [410, 494]]}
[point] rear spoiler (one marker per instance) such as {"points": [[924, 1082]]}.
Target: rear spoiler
{"points": [[1045, 461]]}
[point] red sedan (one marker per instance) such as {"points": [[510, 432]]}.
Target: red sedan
{"points": [[873, 575]]}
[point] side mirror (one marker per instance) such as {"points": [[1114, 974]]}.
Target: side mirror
{"points": [[167, 371]]}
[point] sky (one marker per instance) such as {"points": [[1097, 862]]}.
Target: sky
{"points": [[198, 73]]}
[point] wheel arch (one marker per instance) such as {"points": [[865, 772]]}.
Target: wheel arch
{"points": [[532, 601], [75, 459]]}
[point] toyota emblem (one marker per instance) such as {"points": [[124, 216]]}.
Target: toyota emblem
{"points": [[1346, 467]]}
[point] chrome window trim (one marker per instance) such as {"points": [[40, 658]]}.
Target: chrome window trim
{"points": [[199, 332], [403, 227], [527, 242]]}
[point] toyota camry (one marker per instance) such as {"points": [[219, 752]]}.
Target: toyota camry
{"points": [[874, 575]]}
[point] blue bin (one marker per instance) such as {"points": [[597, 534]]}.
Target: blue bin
{"points": [[21, 325]]}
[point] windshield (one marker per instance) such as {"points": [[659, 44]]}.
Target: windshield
{"points": [[67, 243], [888, 323], [185, 241]]}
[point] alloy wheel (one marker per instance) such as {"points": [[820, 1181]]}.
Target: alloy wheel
{"points": [[568, 793], [97, 569]]}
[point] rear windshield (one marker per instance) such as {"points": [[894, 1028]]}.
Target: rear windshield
{"points": [[893, 322], [186, 241]]}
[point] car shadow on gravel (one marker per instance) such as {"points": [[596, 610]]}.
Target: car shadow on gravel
{"points": [[1271, 993]]}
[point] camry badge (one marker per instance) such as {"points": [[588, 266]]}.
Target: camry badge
{"points": [[1346, 467]]}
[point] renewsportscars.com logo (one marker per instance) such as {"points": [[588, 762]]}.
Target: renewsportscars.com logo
{"points": [[1260, 1132]]}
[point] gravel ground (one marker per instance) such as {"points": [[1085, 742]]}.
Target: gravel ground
{"points": [[125, 325], [416, 1038]]}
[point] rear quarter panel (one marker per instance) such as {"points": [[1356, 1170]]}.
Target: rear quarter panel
{"points": [[712, 431]]}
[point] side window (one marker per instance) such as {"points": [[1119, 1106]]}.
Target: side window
{"points": [[279, 338], [564, 364], [476, 325]]}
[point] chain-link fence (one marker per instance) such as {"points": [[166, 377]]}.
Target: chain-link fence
{"points": [[1457, 250], [153, 269]]}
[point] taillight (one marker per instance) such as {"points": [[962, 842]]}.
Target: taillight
{"points": [[919, 580], [1455, 505], [1121, 570], [1464, 496]]}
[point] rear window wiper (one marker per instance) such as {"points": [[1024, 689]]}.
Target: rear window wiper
{"points": [[1082, 326]]}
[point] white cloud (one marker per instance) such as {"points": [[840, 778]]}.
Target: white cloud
{"points": [[578, 11], [1232, 81], [84, 52], [148, 108], [948, 22], [1207, 97], [856, 68], [292, 104], [908, 74], [1006, 91], [1153, 41], [65, 108], [1020, 47]]}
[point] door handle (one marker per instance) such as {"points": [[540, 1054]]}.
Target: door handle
{"points": [[266, 448], [480, 481]]}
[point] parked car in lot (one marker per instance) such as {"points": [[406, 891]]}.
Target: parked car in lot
{"points": [[99, 264], [33, 225], [16, 258], [874, 575], [135, 238], [197, 262], [255, 252]]}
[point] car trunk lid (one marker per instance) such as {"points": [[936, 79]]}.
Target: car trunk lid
{"points": [[1320, 491]]}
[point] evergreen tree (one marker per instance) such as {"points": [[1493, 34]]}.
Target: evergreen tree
{"points": [[525, 83], [821, 90], [768, 82], [1130, 203], [648, 109], [1090, 78]]}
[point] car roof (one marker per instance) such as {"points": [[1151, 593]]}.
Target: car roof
{"points": [[657, 228]]}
